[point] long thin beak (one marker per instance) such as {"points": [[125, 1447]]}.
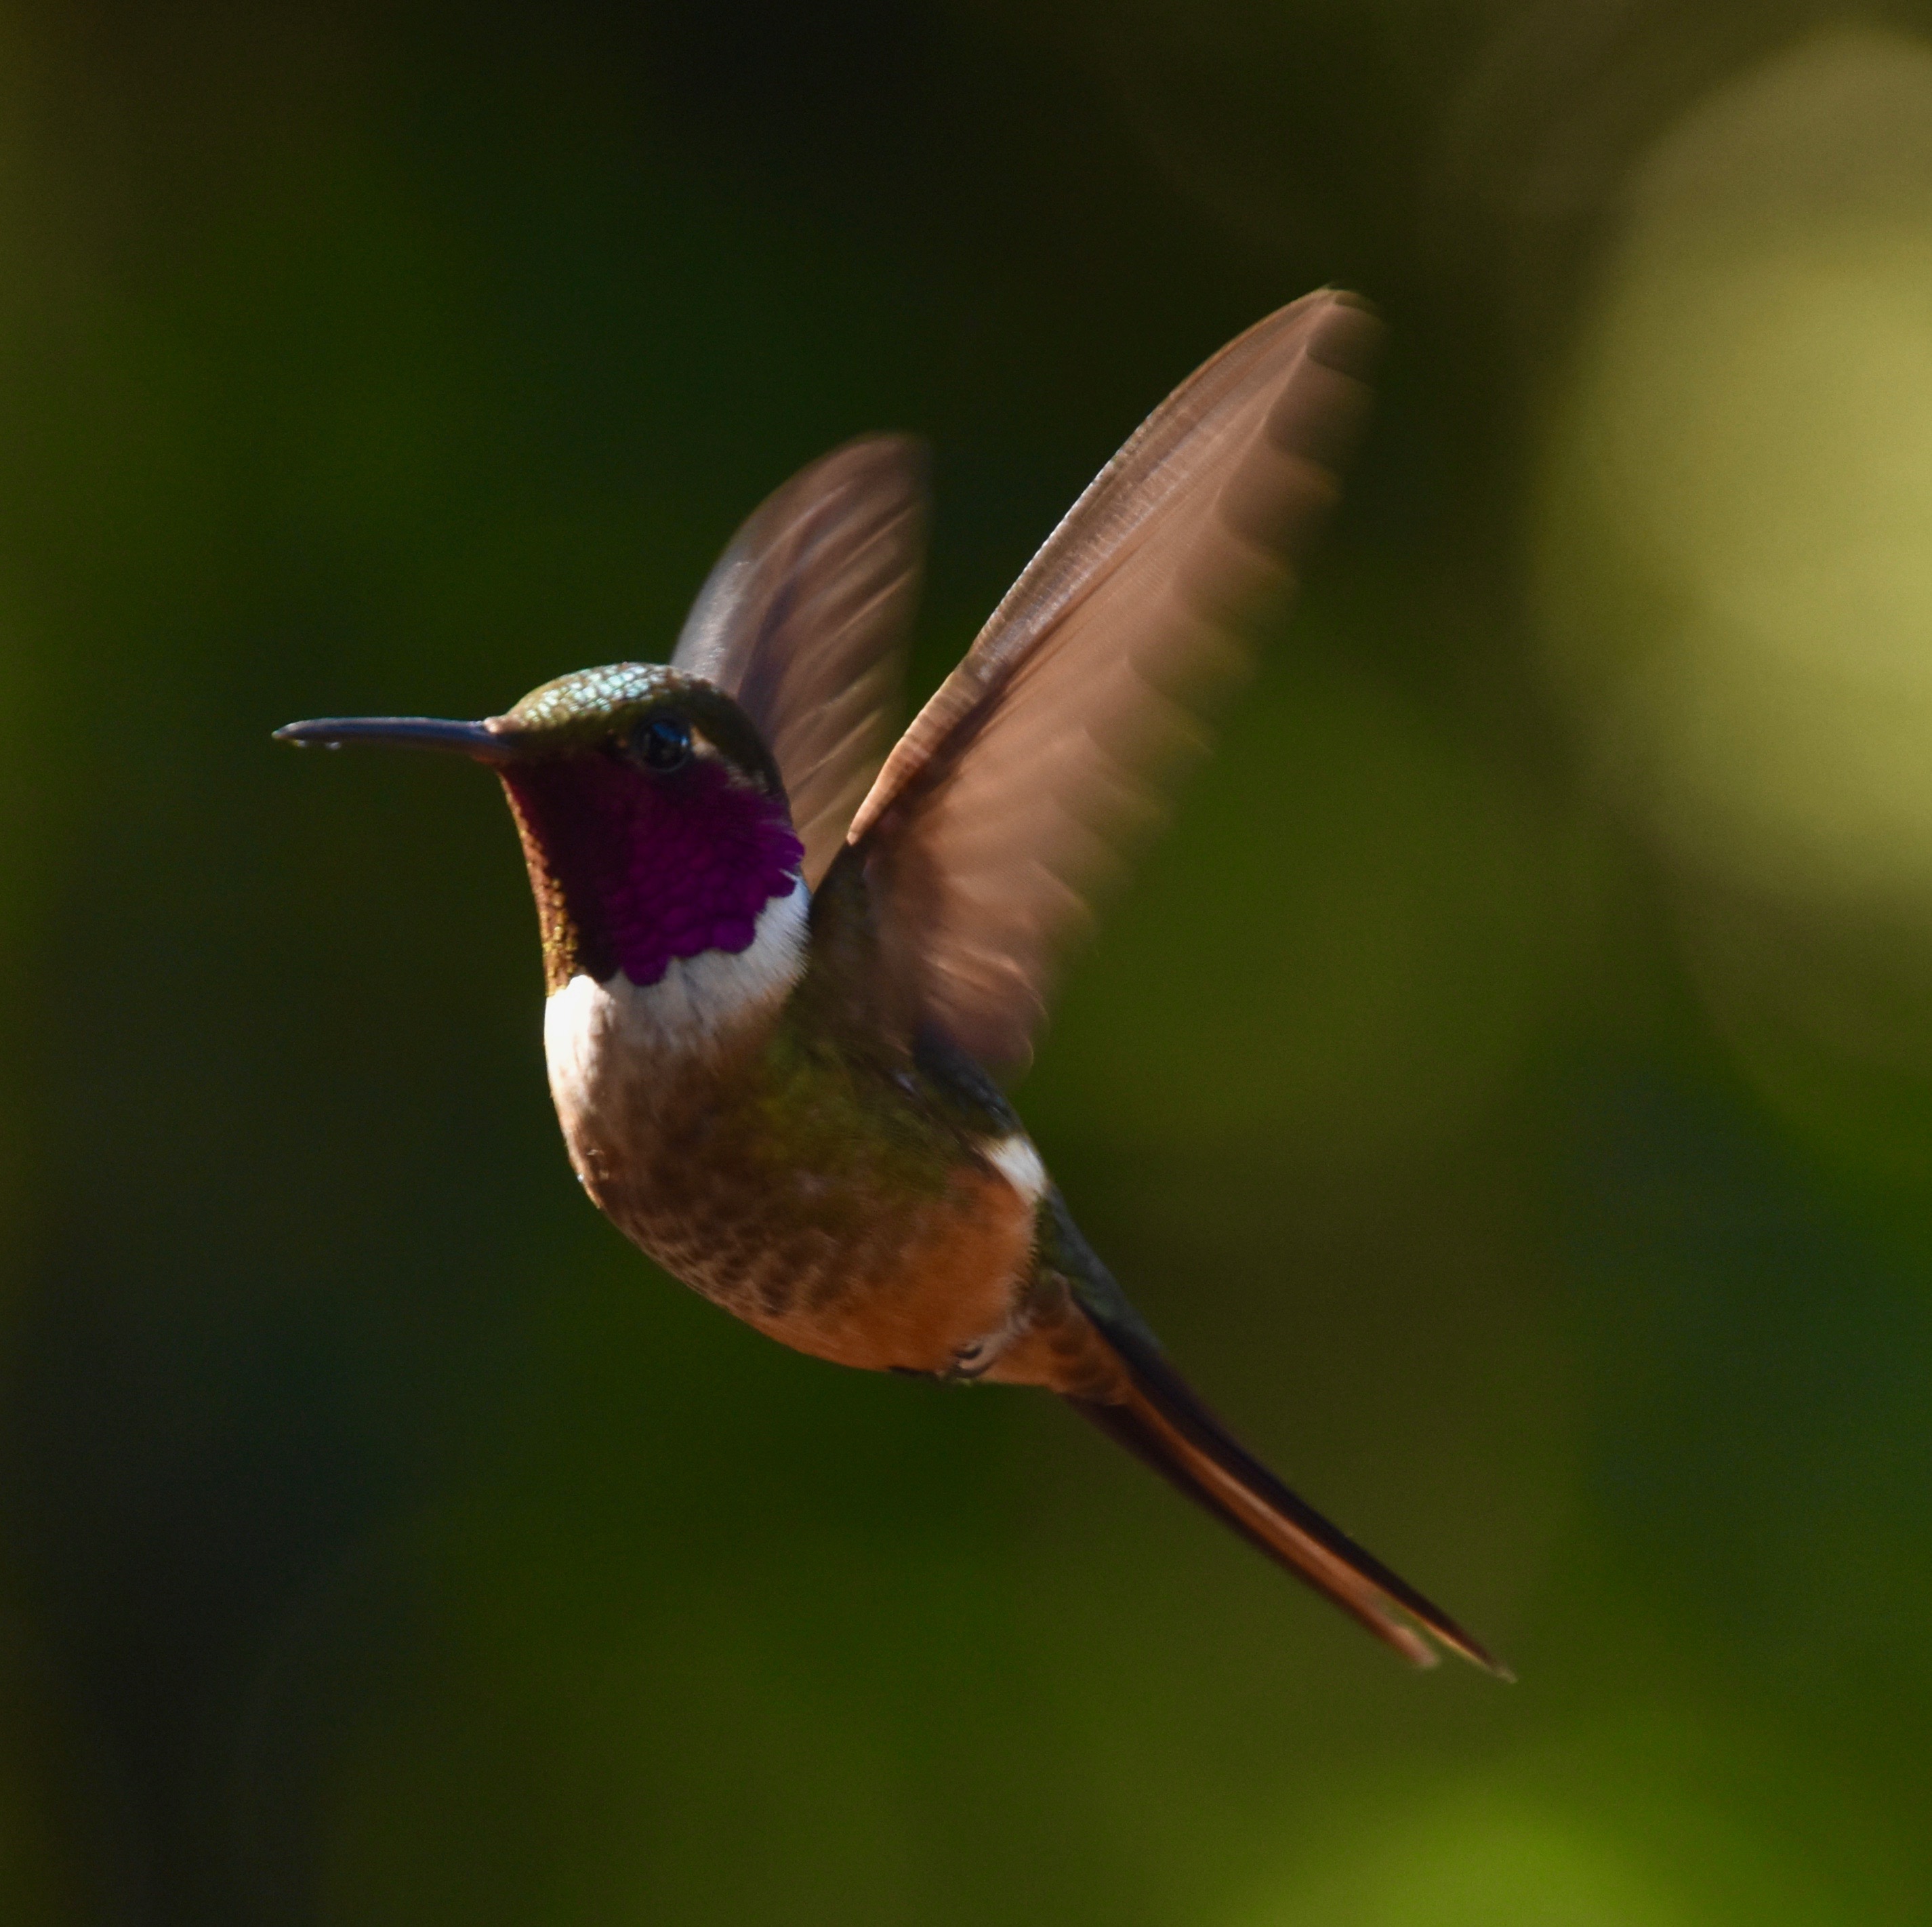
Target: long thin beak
{"points": [[479, 739]]}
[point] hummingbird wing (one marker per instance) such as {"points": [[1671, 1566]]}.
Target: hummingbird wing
{"points": [[804, 620], [1022, 784]]}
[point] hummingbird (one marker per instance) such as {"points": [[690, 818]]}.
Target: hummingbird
{"points": [[790, 972]]}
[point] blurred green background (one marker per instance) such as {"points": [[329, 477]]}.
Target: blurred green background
{"points": [[1509, 1088]]}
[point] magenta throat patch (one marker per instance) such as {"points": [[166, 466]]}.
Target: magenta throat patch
{"points": [[652, 867]]}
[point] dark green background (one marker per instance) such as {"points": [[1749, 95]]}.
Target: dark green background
{"points": [[385, 1541]]}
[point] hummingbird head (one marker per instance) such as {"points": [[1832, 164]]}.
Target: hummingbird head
{"points": [[653, 820]]}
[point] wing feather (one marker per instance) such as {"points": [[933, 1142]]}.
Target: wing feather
{"points": [[1021, 787], [804, 622]]}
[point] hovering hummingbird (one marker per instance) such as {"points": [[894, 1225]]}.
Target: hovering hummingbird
{"points": [[785, 968]]}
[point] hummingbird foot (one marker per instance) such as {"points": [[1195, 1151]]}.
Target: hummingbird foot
{"points": [[974, 1360]]}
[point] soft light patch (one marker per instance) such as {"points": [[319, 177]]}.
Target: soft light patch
{"points": [[1734, 572], [1735, 566], [1482, 1858]]}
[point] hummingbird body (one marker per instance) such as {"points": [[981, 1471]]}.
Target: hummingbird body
{"points": [[810, 1177], [731, 1097], [779, 972]]}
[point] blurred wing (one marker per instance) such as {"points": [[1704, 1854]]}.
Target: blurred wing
{"points": [[804, 620], [1022, 784]]}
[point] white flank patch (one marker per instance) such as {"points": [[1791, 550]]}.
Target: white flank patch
{"points": [[1018, 1162], [698, 1000]]}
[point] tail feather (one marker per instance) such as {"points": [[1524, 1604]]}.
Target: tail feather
{"points": [[1196, 1455], [1152, 1411]]}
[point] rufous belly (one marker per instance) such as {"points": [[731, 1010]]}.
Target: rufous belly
{"points": [[845, 1272], [871, 1236]]}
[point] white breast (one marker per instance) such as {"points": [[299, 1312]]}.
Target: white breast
{"points": [[597, 1035]]}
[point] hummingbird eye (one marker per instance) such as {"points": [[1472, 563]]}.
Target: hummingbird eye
{"points": [[662, 742]]}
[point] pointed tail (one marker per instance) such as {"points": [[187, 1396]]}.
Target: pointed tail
{"points": [[1161, 1420]]}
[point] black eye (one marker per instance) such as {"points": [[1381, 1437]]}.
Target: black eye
{"points": [[662, 742]]}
